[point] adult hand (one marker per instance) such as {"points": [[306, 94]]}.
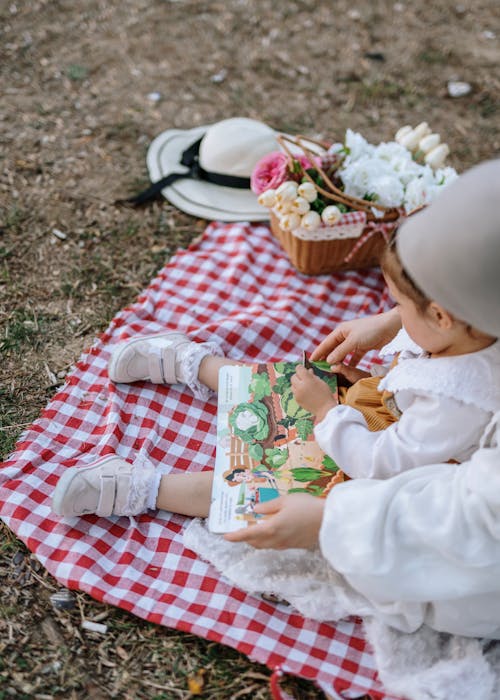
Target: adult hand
{"points": [[357, 337], [311, 392], [292, 521]]}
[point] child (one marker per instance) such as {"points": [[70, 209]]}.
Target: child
{"points": [[419, 547], [431, 408], [429, 402]]}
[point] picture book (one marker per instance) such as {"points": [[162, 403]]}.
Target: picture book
{"points": [[265, 443]]}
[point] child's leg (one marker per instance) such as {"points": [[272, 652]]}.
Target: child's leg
{"points": [[208, 372], [186, 494], [168, 358], [113, 486]]}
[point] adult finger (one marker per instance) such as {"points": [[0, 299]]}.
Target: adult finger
{"points": [[328, 344]]}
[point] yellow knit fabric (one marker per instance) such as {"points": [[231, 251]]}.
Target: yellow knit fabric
{"points": [[375, 405]]}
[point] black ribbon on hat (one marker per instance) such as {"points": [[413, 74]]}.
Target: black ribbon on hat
{"points": [[189, 158]]}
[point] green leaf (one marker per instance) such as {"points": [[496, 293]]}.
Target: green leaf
{"points": [[329, 465], [305, 427], [255, 451], [306, 473], [257, 413], [318, 205], [275, 457], [260, 385]]}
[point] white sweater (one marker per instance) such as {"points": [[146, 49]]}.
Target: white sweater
{"points": [[446, 404], [420, 548], [423, 547]]}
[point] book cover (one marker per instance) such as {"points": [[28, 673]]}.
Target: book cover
{"points": [[265, 443]]}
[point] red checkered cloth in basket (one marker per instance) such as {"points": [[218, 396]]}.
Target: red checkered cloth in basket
{"points": [[233, 285]]}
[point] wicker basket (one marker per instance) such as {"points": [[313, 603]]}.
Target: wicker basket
{"points": [[321, 256], [355, 242]]}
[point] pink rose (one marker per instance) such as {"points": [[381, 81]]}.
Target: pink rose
{"points": [[269, 172], [306, 163]]}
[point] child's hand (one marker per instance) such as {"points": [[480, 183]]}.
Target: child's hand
{"points": [[293, 521], [311, 392]]}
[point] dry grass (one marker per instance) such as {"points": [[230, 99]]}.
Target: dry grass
{"points": [[75, 124]]}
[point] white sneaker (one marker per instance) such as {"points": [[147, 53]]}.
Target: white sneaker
{"points": [[102, 488], [154, 358]]}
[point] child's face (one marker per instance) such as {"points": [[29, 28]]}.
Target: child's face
{"points": [[418, 324]]}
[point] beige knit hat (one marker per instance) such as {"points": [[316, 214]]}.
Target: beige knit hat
{"points": [[451, 249]]}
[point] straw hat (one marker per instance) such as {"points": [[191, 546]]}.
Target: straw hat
{"points": [[205, 171], [451, 249]]}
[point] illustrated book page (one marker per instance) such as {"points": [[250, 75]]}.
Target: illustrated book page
{"points": [[265, 443]]}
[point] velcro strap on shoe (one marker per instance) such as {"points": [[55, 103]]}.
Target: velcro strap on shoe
{"points": [[107, 495], [168, 365], [155, 368], [162, 366]]}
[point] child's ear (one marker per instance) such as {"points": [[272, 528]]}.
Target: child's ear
{"points": [[441, 317]]}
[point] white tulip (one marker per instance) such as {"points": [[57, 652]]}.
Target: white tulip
{"points": [[286, 191], [429, 142], [410, 140], [422, 129], [282, 208], [404, 131], [437, 156], [331, 215], [311, 221], [300, 205], [290, 222], [307, 191], [267, 198]]}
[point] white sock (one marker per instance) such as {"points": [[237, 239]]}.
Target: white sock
{"points": [[189, 365], [142, 481], [154, 486]]}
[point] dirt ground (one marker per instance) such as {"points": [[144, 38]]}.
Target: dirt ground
{"points": [[84, 89]]}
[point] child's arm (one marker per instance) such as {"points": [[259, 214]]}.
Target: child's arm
{"points": [[431, 429], [293, 521]]}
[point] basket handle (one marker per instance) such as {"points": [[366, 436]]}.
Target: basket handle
{"points": [[334, 193]]}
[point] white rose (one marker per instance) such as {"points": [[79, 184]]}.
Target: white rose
{"points": [[357, 145], [331, 214], [391, 151], [311, 221], [437, 156], [427, 143], [420, 191], [388, 190], [286, 191], [300, 205], [267, 198], [289, 222], [444, 176], [307, 191]]}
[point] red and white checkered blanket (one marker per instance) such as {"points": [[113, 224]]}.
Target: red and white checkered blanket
{"points": [[236, 286]]}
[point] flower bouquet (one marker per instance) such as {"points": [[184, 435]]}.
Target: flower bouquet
{"points": [[334, 206]]}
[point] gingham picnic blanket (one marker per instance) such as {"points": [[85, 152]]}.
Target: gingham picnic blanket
{"points": [[233, 285]]}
